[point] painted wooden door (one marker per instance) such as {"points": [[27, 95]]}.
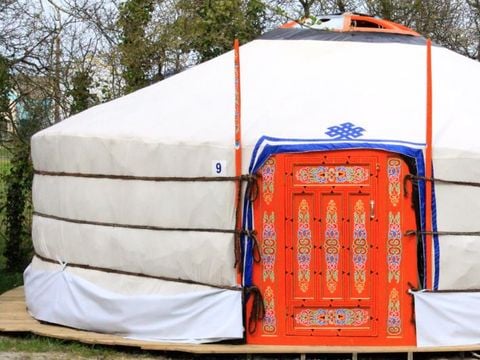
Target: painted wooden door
{"points": [[335, 267]]}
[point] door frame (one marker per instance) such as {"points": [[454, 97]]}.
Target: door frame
{"points": [[274, 185]]}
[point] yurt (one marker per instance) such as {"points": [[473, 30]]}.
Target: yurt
{"points": [[316, 186]]}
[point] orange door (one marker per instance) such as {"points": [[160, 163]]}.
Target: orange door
{"points": [[335, 267]]}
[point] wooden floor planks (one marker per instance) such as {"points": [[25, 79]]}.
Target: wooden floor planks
{"points": [[15, 318]]}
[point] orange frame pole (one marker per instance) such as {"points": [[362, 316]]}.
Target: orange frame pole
{"points": [[428, 173], [238, 114], [238, 142]]}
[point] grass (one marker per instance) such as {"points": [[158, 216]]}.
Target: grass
{"points": [[73, 350], [38, 344], [18, 343], [33, 343]]}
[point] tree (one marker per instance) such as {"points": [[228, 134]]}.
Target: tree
{"points": [[474, 20], [446, 22], [18, 183], [306, 6], [5, 91], [210, 26], [82, 98], [135, 49], [18, 180]]}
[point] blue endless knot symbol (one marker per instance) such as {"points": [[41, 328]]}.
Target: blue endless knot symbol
{"points": [[345, 131]]}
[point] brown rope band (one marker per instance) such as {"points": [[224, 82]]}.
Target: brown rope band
{"points": [[442, 233], [237, 245], [138, 227], [449, 291], [121, 272], [257, 256], [412, 289], [148, 178], [257, 311], [237, 232], [411, 177], [251, 193]]}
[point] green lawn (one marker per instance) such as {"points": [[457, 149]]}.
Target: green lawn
{"points": [[50, 347], [33, 343]]}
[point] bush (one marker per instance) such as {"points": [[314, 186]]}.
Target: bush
{"points": [[10, 281], [17, 211]]}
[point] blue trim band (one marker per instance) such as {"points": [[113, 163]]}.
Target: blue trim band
{"points": [[436, 243], [335, 145]]}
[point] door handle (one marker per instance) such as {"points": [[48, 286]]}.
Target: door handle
{"points": [[372, 209]]}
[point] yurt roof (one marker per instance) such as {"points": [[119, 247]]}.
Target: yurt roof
{"points": [[296, 83]]}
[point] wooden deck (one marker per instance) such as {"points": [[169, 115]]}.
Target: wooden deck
{"points": [[14, 318]]}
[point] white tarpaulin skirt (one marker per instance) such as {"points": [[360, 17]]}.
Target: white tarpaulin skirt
{"points": [[447, 318], [188, 313]]}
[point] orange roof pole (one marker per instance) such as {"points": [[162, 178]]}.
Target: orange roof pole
{"points": [[428, 173], [238, 144]]}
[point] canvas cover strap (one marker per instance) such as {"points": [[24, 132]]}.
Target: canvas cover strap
{"points": [[121, 272], [449, 291], [257, 312], [245, 177], [140, 227], [251, 192], [416, 178], [444, 233]]}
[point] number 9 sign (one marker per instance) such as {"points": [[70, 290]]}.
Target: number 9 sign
{"points": [[219, 167]]}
